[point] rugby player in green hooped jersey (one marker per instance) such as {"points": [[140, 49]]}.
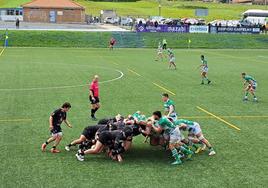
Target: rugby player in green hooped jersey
{"points": [[175, 136], [251, 86], [169, 107], [195, 134], [204, 70], [172, 59], [160, 54]]}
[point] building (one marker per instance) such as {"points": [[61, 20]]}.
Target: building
{"points": [[11, 14], [53, 11], [242, 1], [260, 2]]}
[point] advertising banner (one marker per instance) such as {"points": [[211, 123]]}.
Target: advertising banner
{"points": [[162, 28], [198, 29], [242, 30]]}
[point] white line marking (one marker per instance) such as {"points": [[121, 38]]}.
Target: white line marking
{"points": [[263, 56], [63, 87]]}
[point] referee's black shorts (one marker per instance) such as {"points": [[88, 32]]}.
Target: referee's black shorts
{"points": [[96, 101]]}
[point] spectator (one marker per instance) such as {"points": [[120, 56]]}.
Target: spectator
{"points": [[263, 29], [164, 44], [156, 24], [17, 23], [209, 27]]}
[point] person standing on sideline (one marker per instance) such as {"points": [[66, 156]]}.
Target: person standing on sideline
{"points": [[17, 23], [164, 43], [94, 96], [112, 43]]}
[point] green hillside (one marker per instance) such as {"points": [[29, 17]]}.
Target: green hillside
{"points": [[172, 9]]}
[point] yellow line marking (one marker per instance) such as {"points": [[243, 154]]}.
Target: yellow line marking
{"points": [[165, 89], [2, 51], [218, 118], [15, 120], [134, 72], [245, 116]]}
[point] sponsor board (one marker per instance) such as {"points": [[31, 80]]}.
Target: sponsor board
{"points": [[198, 29]]}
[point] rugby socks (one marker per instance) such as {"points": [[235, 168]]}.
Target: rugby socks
{"points": [[46, 143], [175, 154], [203, 80], [93, 111], [210, 149], [185, 151], [81, 152], [195, 146], [186, 147], [200, 142], [96, 109]]}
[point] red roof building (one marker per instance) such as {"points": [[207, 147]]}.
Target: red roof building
{"points": [[53, 11]]}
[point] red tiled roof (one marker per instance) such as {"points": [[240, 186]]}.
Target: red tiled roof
{"points": [[53, 4]]}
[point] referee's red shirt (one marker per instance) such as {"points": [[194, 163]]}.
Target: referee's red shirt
{"points": [[94, 87]]}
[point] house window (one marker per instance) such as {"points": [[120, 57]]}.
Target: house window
{"points": [[10, 12]]}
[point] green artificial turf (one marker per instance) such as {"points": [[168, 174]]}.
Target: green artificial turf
{"points": [[27, 99]]}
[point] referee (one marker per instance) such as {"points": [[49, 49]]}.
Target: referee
{"points": [[94, 96]]}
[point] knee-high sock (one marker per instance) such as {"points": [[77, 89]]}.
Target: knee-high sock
{"points": [[93, 112], [175, 154], [184, 150]]}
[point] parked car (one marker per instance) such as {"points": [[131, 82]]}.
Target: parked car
{"points": [[126, 21], [171, 21], [201, 21], [190, 21], [218, 23], [226, 23], [246, 23], [159, 19], [110, 20]]}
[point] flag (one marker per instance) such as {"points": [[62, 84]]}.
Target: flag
{"points": [[6, 41]]}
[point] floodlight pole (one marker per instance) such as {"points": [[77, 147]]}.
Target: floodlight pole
{"points": [[159, 7]]}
